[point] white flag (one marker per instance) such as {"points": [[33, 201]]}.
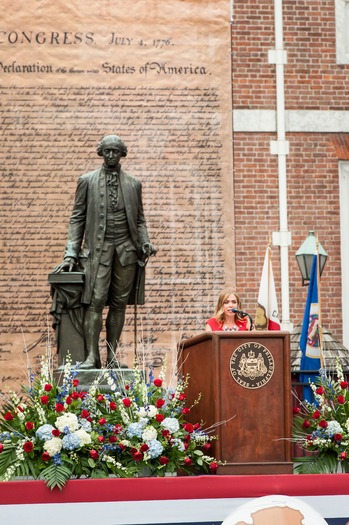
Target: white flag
{"points": [[267, 316]]}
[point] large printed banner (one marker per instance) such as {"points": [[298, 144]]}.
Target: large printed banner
{"points": [[198, 500], [156, 73]]}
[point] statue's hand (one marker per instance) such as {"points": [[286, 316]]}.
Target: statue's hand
{"points": [[66, 266], [148, 249]]}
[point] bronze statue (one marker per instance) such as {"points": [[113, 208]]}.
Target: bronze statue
{"points": [[108, 238]]}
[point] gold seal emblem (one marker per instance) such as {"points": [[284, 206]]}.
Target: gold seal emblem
{"points": [[252, 365]]}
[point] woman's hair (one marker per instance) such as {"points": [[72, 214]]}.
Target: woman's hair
{"points": [[223, 296]]}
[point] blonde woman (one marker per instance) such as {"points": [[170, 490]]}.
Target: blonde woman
{"points": [[228, 316]]}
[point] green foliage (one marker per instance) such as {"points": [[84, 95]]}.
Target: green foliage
{"points": [[56, 476]]}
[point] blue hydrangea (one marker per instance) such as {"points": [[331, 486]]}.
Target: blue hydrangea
{"points": [[134, 429], [44, 432], [155, 448], [86, 425], [71, 442]]}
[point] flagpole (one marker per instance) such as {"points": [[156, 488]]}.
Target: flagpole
{"points": [[322, 361]]}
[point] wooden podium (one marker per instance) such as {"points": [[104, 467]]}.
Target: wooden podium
{"points": [[245, 382]]}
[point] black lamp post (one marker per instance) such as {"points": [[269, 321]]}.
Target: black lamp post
{"points": [[305, 256]]}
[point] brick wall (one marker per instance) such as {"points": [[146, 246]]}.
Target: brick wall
{"points": [[313, 81]]}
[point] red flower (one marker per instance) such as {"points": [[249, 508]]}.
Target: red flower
{"points": [[45, 456], [185, 410], [341, 400], [20, 408], [344, 385], [84, 414], [1, 447], [343, 455], [181, 397], [127, 402], [163, 460], [158, 382], [144, 447], [166, 433], [186, 438], [28, 446], [306, 424], [75, 395], [188, 461], [48, 387], [117, 429], [60, 407], [8, 416], [316, 414], [127, 387], [320, 390], [188, 427], [29, 425], [207, 446], [112, 405], [68, 400], [75, 382], [55, 432], [94, 454], [323, 424], [159, 403], [112, 439], [100, 397], [213, 466], [138, 456], [159, 417], [296, 410], [101, 439], [338, 437], [44, 400], [196, 426], [102, 421], [121, 446]]}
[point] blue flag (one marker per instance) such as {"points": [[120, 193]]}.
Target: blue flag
{"points": [[310, 337]]}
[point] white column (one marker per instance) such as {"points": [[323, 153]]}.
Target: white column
{"points": [[280, 147]]}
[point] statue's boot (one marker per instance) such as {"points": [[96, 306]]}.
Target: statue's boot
{"points": [[92, 330], [114, 325]]}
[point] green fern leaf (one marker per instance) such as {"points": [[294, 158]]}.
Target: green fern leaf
{"points": [[55, 476]]}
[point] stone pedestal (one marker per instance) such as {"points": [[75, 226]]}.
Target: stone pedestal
{"points": [[67, 311], [87, 377]]}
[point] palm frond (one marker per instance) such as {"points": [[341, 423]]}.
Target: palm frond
{"points": [[317, 464], [55, 476]]}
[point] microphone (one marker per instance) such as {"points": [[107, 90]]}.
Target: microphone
{"points": [[240, 312], [243, 314]]}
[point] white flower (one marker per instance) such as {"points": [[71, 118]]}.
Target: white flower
{"points": [[53, 446], [149, 433], [69, 421], [171, 424], [85, 438], [148, 411]]}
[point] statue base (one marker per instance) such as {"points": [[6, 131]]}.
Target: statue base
{"points": [[124, 376]]}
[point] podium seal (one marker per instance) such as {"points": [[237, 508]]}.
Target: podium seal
{"points": [[252, 365]]}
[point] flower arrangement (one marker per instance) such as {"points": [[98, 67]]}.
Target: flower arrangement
{"points": [[321, 428], [56, 432]]}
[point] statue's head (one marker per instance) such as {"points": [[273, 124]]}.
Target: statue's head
{"points": [[111, 140]]}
